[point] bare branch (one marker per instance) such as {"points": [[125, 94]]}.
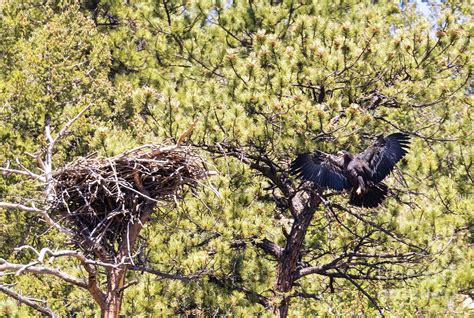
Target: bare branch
{"points": [[372, 300], [21, 268], [269, 247], [69, 123], [257, 162], [8, 171], [31, 302], [375, 278], [92, 285], [7, 205], [76, 254], [302, 294], [319, 269], [380, 228], [250, 294], [48, 162], [399, 258], [133, 282], [43, 213], [177, 276], [31, 174]]}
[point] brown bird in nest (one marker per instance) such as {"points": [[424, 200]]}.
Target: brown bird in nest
{"points": [[188, 132]]}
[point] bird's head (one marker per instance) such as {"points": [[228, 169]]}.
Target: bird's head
{"points": [[346, 155]]}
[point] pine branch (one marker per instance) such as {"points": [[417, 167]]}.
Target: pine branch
{"points": [[366, 294], [176, 276], [250, 294], [269, 247]]}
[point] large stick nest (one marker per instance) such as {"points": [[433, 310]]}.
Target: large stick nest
{"points": [[99, 197]]}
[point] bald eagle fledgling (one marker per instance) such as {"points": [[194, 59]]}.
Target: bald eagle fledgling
{"points": [[361, 173]]}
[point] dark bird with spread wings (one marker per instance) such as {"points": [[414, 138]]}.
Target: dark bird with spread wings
{"points": [[361, 173]]}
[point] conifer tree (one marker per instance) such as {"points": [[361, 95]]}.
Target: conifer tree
{"points": [[254, 83]]}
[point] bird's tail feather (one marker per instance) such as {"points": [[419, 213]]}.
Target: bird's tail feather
{"points": [[370, 199]]}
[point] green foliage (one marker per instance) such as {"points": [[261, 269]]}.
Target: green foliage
{"points": [[271, 79]]}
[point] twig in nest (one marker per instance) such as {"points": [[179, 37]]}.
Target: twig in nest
{"points": [[101, 197]]}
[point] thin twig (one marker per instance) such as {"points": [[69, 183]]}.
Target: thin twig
{"points": [[69, 123], [371, 299]]}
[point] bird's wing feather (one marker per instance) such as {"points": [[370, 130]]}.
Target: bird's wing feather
{"points": [[323, 169], [384, 154]]}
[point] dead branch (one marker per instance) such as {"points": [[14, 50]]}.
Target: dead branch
{"points": [[72, 253], [32, 268], [42, 213], [31, 302], [8, 205], [161, 274], [401, 258], [8, 171], [65, 128]]}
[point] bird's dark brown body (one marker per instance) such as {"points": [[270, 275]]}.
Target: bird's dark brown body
{"points": [[356, 172], [362, 173]]}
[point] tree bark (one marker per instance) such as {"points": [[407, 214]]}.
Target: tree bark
{"points": [[288, 261], [281, 310], [114, 295], [116, 276]]}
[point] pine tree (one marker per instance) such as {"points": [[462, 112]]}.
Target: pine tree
{"points": [[259, 82]]}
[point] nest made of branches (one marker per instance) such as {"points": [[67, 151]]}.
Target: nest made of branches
{"points": [[98, 197]]}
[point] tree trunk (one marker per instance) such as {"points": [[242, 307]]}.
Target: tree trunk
{"points": [[291, 253], [113, 304], [288, 261], [113, 299], [116, 276], [281, 311]]}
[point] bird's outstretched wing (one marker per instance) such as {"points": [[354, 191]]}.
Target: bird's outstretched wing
{"points": [[384, 154], [323, 169]]}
